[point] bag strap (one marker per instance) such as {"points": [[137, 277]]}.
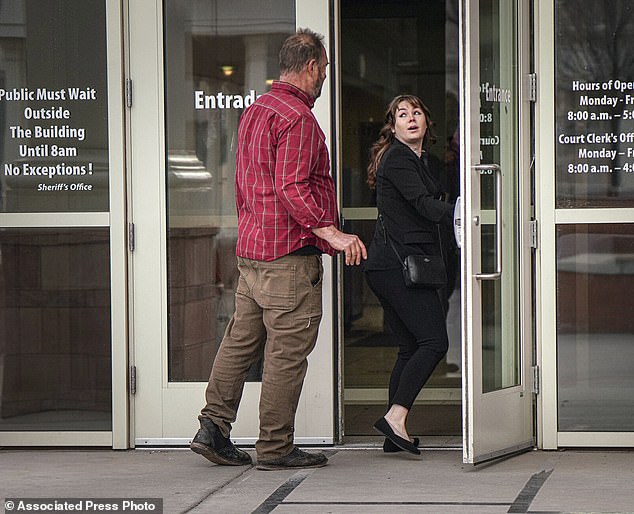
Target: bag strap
{"points": [[389, 238], [442, 254]]}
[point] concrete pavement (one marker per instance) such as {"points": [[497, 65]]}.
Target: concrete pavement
{"points": [[357, 480]]}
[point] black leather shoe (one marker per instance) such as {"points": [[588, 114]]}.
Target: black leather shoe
{"points": [[383, 427], [211, 444], [297, 459], [390, 447]]}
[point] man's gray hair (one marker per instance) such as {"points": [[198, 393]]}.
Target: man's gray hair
{"points": [[299, 49]]}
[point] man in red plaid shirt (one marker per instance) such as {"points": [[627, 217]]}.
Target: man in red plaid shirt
{"points": [[287, 217]]}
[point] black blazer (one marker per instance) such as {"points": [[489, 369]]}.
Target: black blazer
{"points": [[411, 203]]}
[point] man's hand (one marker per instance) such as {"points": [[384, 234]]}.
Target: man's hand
{"points": [[350, 244]]}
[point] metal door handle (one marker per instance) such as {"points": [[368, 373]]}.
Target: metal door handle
{"points": [[498, 221], [457, 222]]}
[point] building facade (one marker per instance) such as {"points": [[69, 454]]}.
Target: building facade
{"points": [[117, 219]]}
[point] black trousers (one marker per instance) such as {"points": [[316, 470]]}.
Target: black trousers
{"points": [[417, 318]]}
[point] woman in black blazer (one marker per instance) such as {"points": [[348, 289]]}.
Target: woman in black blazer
{"points": [[410, 205]]}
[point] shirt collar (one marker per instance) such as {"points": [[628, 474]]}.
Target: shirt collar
{"points": [[295, 91]]}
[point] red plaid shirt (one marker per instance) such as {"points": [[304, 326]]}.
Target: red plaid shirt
{"points": [[283, 182]]}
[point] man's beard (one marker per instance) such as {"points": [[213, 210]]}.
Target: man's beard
{"points": [[317, 90]]}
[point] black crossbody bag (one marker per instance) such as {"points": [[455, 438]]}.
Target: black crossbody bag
{"points": [[421, 270]]}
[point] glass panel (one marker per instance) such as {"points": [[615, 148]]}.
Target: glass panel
{"points": [[219, 56], [389, 48], [386, 52], [55, 351], [594, 99], [53, 106], [595, 327], [370, 346], [498, 145]]}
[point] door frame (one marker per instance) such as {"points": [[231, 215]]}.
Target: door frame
{"points": [[549, 437], [114, 220], [157, 399], [444, 395], [474, 449]]}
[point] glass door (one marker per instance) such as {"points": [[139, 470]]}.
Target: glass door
{"points": [[62, 238], [385, 49], [496, 255], [586, 209], [214, 59]]}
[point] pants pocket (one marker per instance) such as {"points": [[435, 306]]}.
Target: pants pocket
{"points": [[246, 278], [277, 287], [309, 291]]}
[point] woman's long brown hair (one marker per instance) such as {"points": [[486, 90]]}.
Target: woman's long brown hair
{"points": [[386, 136]]}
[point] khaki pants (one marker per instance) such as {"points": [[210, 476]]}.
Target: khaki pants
{"points": [[277, 312]]}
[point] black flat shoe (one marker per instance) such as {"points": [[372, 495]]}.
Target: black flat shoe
{"points": [[383, 427], [390, 447]]}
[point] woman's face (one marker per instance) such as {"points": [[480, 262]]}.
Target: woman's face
{"points": [[410, 124]]}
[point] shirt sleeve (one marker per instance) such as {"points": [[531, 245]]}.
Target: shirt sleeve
{"points": [[297, 157]]}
